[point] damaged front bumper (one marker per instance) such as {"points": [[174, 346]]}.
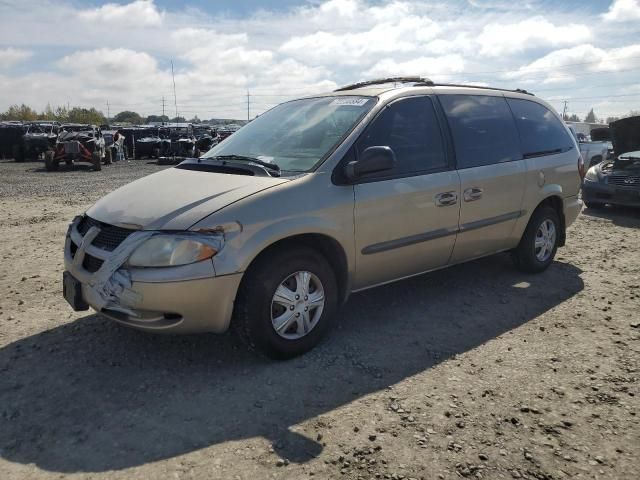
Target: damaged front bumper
{"points": [[600, 192], [181, 299]]}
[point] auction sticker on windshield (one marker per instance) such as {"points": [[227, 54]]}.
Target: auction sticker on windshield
{"points": [[353, 102]]}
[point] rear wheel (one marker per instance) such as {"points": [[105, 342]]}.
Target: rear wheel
{"points": [[540, 241], [286, 302], [50, 163], [95, 161]]}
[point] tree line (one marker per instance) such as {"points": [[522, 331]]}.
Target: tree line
{"points": [[89, 116], [592, 118]]}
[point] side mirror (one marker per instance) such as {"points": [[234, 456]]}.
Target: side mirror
{"points": [[374, 159]]}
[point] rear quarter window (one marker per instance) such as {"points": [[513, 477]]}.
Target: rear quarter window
{"points": [[541, 132], [483, 129]]}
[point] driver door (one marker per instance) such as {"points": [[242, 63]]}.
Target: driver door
{"points": [[406, 219]]}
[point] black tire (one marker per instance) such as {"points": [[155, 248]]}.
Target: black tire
{"points": [[156, 153], [594, 205], [253, 305], [96, 161], [524, 256], [18, 153], [49, 161]]}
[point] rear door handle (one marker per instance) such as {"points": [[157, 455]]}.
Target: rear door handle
{"points": [[446, 198], [472, 194]]}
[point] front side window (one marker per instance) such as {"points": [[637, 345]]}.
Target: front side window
{"points": [[297, 135], [540, 130], [410, 128], [483, 129]]}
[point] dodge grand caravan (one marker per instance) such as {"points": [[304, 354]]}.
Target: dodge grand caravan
{"points": [[272, 229]]}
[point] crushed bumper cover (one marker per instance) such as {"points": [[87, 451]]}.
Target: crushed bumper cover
{"points": [[184, 299]]}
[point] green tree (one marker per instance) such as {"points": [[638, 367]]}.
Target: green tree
{"points": [[573, 118], [591, 117], [85, 115], [178, 120], [157, 118], [128, 117], [611, 119], [19, 112]]}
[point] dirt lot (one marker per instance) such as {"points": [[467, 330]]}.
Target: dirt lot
{"points": [[475, 371]]}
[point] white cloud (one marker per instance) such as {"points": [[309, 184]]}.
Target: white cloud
{"points": [[140, 13], [284, 53], [11, 56], [430, 67], [559, 66], [623, 11], [402, 35], [497, 39]]}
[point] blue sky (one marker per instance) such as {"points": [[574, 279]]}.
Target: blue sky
{"points": [[89, 53]]}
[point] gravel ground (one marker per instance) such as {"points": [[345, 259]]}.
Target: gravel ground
{"points": [[476, 371]]}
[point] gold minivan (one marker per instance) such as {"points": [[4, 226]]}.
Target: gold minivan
{"points": [[273, 228]]}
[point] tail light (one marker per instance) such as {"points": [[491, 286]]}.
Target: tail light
{"points": [[581, 170]]}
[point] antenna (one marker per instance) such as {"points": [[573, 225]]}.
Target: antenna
{"points": [[175, 99]]}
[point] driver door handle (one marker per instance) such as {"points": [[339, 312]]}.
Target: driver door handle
{"points": [[472, 194], [446, 198]]}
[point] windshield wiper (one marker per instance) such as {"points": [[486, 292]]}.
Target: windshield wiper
{"points": [[244, 158]]}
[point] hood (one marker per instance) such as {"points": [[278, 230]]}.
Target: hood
{"points": [[625, 135], [175, 199]]}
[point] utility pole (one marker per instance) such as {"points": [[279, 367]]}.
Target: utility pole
{"points": [[248, 105], [163, 107], [108, 112], [564, 111], [175, 99]]}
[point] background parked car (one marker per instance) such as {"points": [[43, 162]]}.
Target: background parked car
{"points": [[10, 135], [39, 138], [592, 152]]}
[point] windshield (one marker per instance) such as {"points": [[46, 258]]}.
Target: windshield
{"points": [[296, 135]]}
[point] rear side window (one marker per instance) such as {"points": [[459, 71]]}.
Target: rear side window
{"points": [[410, 127], [540, 130], [482, 128]]}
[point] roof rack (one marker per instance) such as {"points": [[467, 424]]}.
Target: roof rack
{"points": [[431, 84], [422, 82], [382, 81]]}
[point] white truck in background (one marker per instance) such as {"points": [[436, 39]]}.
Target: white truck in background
{"points": [[592, 152]]}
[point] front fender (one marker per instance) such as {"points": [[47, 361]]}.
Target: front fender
{"points": [[242, 247]]}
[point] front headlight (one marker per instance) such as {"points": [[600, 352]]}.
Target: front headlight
{"points": [[592, 175], [173, 250]]}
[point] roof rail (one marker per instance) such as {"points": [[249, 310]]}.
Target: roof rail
{"points": [[431, 84], [382, 81]]}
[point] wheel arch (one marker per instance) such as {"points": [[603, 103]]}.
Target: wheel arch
{"points": [[324, 244], [556, 202]]}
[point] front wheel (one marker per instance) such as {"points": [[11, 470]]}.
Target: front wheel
{"points": [[286, 302], [539, 243]]}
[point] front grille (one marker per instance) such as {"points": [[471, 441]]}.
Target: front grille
{"points": [[108, 238], [624, 180], [91, 264]]}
